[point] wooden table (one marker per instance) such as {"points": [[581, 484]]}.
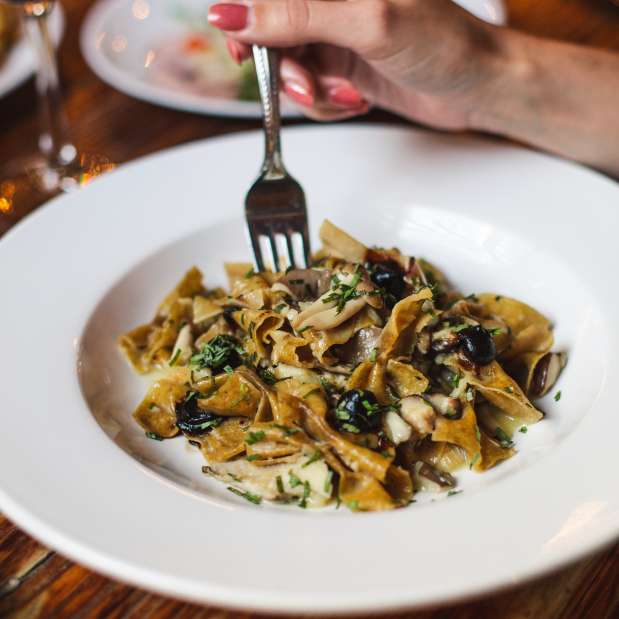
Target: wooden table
{"points": [[37, 582]]}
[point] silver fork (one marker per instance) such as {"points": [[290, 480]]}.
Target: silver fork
{"points": [[275, 204]]}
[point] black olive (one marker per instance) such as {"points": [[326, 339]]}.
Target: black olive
{"points": [[191, 419], [477, 345], [357, 411], [389, 277], [222, 351]]}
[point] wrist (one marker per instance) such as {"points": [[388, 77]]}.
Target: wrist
{"points": [[508, 78]]}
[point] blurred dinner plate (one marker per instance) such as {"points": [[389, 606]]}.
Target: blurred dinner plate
{"points": [[79, 474], [164, 52], [21, 61]]}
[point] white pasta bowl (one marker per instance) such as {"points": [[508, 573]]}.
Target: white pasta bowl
{"points": [[78, 473]]}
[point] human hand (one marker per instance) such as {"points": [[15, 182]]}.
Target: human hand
{"points": [[427, 60]]}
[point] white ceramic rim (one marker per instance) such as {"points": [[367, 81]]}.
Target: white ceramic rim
{"points": [[593, 529]]}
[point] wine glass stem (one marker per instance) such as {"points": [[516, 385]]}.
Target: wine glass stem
{"points": [[54, 141]]}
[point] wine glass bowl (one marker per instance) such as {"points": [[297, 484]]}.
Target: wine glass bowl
{"points": [[58, 165]]}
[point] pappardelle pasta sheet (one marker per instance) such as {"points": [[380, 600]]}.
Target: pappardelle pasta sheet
{"points": [[359, 381]]}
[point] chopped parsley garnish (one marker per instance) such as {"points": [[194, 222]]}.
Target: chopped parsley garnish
{"points": [[523, 429], [211, 423], [280, 484], [190, 395], [287, 430], [307, 489], [293, 480], [175, 357], [370, 408], [267, 376], [279, 308], [455, 379], [228, 370], [220, 352], [254, 437], [256, 499], [329, 482], [461, 327], [373, 355], [304, 329], [250, 273], [353, 505], [253, 457], [154, 436], [477, 433], [453, 492], [341, 293], [317, 455], [558, 395], [503, 438], [475, 459], [495, 331]]}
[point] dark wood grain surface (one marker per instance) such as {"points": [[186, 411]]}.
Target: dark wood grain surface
{"points": [[36, 582]]}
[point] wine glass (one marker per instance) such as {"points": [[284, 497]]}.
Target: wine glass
{"points": [[58, 166]]}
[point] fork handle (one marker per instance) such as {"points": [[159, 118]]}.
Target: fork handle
{"points": [[267, 71]]}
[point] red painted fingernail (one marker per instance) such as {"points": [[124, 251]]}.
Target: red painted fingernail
{"points": [[299, 93], [233, 50], [228, 16], [345, 96]]}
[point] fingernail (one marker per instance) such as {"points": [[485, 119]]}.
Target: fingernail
{"points": [[233, 51], [345, 96], [299, 93], [228, 16]]}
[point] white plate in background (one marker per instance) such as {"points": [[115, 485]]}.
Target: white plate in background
{"points": [[123, 41], [78, 474], [21, 62]]}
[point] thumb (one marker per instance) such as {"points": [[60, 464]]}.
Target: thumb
{"points": [[360, 25]]}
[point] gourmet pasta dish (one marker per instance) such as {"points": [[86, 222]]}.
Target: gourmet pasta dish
{"points": [[359, 381]]}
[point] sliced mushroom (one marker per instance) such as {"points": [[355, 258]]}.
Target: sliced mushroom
{"points": [[360, 347], [418, 414], [324, 312], [443, 404], [181, 352], [546, 373], [444, 340], [424, 340], [396, 429], [305, 284], [426, 477]]}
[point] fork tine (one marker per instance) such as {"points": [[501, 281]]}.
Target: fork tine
{"points": [[291, 260], [274, 254], [306, 245], [254, 239]]}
